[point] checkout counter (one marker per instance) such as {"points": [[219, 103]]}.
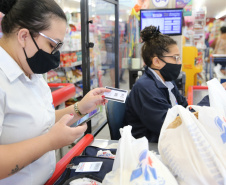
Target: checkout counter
{"points": [[77, 150], [60, 93]]}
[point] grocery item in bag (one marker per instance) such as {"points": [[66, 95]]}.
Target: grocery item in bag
{"points": [[188, 147]]}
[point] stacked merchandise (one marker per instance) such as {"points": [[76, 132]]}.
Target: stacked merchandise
{"points": [[70, 59], [52, 76], [199, 29], [70, 69]]}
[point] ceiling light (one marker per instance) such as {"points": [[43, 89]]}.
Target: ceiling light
{"points": [[198, 4], [112, 18]]}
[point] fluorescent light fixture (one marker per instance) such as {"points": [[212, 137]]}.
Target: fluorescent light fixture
{"points": [[198, 4], [68, 10], [112, 18], [120, 20], [92, 3], [221, 14]]}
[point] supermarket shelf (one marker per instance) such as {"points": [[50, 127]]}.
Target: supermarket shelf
{"points": [[67, 51], [54, 80], [78, 63], [79, 92], [76, 80]]}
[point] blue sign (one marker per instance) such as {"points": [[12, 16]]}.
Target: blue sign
{"points": [[168, 20]]}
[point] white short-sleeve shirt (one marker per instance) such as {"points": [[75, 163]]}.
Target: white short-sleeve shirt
{"points": [[26, 111]]}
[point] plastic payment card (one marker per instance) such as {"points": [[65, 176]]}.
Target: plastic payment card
{"points": [[118, 95]]}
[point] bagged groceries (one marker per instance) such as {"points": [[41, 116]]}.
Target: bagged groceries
{"points": [[193, 145], [217, 95], [134, 164]]}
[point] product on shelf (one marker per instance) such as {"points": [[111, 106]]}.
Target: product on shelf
{"points": [[199, 29], [74, 75], [70, 59], [52, 76], [79, 92]]}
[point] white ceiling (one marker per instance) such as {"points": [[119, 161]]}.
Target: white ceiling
{"points": [[214, 7]]}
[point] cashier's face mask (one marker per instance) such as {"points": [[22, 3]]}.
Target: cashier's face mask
{"points": [[170, 71], [42, 61]]}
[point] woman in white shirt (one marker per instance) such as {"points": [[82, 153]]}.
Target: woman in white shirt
{"points": [[33, 32]]}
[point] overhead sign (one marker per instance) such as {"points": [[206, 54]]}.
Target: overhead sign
{"points": [[182, 3], [186, 4], [160, 3]]}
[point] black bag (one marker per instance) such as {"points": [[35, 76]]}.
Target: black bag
{"points": [[98, 176], [92, 150]]}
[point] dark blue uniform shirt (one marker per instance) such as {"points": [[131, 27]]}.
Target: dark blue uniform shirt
{"points": [[147, 106]]}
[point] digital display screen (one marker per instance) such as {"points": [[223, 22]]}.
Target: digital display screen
{"points": [[87, 117], [168, 20]]}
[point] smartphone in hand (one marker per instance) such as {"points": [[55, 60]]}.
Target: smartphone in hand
{"points": [[86, 118]]}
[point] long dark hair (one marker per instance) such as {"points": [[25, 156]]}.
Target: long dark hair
{"points": [[155, 44], [35, 15]]}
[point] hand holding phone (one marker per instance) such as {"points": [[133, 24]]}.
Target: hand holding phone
{"points": [[86, 118]]}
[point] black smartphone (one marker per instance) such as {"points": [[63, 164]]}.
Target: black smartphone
{"points": [[86, 118]]}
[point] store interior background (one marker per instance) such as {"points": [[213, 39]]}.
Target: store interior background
{"points": [[103, 15], [102, 33], [195, 28]]}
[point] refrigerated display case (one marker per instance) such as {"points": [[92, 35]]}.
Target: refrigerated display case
{"points": [[100, 65], [70, 69], [102, 34]]}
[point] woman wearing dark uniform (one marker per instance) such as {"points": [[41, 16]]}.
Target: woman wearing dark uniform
{"points": [[155, 92]]}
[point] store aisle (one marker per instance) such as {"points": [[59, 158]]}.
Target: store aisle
{"points": [[122, 85], [125, 84]]}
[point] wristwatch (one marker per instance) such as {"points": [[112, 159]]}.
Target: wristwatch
{"points": [[77, 110]]}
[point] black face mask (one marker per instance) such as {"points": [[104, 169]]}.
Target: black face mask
{"points": [[42, 61], [170, 71]]}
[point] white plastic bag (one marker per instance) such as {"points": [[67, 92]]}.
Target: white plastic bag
{"points": [[217, 95], [84, 181], [135, 165], [219, 74], [186, 146]]}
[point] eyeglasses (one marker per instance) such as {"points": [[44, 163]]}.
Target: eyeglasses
{"points": [[58, 44], [177, 58]]}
